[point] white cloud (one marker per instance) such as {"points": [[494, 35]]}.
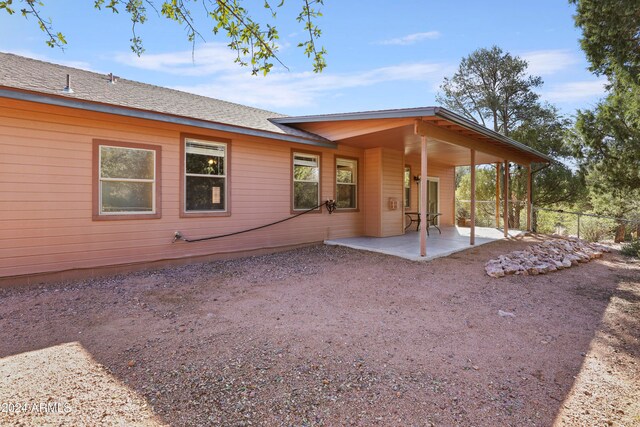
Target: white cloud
{"points": [[547, 62], [412, 38], [216, 75], [576, 91], [205, 60], [69, 63], [286, 89]]}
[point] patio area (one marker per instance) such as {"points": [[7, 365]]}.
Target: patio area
{"points": [[452, 239]]}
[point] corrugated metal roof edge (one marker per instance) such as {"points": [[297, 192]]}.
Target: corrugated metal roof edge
{"points": [[21, 95], [417, 113]]}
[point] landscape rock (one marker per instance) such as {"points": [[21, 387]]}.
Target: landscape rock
{"points": [[551, 255], [505, 314]]}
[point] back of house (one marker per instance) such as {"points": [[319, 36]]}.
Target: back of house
{"points": [[99, 173]]}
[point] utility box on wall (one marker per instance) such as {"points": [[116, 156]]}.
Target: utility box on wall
{"points": [[384, 175], [393, 204]]}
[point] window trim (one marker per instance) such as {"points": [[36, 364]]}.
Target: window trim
{"points": [[357, 184], [183, 176], [295, 151], [96, 178]]}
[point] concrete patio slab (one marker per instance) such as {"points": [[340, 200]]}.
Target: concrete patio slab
{"points": [[452, 239]]}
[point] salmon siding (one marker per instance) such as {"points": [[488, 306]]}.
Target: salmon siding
{"points": [[46, 182], [109, 174]]}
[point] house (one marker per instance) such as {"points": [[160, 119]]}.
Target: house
{"points": [[99, 173]]}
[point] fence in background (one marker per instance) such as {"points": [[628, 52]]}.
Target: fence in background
{"points": [[550, 221]]}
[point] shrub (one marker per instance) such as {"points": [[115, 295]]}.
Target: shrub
{"points": [[595, 229], [631, 249]]}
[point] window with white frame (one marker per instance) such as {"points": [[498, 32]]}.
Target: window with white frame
{"points": [[205, 169], [127, 180], [346, 183], [306, 181]]}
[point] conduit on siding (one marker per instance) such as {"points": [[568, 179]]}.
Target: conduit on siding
{"points": [[329, 204]]}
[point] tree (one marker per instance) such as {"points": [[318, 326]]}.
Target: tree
{"points": [[494, 87], [255, 43], [611, 36], [491, 86], [545, 130], [607, 138]]}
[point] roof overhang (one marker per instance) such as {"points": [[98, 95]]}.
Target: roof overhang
{"points": [[439, 125], [59, 101]]}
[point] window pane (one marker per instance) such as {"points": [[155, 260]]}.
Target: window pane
{"points": [[432, 196], [118, 162], [205, 194], [305, 160], [305, 173], [407, 187], [127, 196], [205, 159], [346, 197], [346, 171], [305, 195]]}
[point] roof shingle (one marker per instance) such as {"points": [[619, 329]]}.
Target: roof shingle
{"points": [[34, 75]]}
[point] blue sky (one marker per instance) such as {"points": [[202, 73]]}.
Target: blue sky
{"points": [[381, 54]]}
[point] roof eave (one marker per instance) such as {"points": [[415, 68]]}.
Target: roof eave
{"points": [[59, 101], [417, 113], [471, 125], [365, 115]]}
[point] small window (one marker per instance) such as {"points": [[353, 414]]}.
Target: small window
{"points": [[346, 184], [407, 187], [126, 180], [205, 168], [306, 181]]}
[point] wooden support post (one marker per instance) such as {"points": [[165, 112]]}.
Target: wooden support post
{"points": [[472, 233], [423, 197], [497, 195], [529, 199], [505, 209]]}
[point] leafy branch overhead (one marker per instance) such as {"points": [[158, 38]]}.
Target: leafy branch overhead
{"points": [[255, 43]]}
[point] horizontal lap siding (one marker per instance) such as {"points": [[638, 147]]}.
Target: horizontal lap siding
{"points": [[392, 179], [46, 202]]}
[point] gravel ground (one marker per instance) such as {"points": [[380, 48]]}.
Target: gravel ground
{"points": [[327, 336]]}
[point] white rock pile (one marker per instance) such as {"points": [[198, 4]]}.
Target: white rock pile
{"points": [[550, 255]]}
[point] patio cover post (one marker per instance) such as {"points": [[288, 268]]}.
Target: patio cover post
{"points": [[423, 196], [497, 195], [505, 212], [472, 234], [529, 200]]}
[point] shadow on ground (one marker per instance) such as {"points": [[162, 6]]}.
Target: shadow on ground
{"points": [[326, 336]]}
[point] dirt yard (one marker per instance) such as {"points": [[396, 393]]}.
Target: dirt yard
{"points": [[327, 336]]}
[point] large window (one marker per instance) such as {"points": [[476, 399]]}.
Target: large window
{"points": [[205, 176], [346, 183], [306, 181], [407, 187], [127, 180]]}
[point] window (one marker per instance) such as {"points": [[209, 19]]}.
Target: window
{"points": [[127, 179], [205, 176], [346, 183], [306, 181], [407, 187]]}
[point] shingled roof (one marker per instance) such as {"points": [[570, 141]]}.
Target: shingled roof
{"points": [[26, 74]]}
